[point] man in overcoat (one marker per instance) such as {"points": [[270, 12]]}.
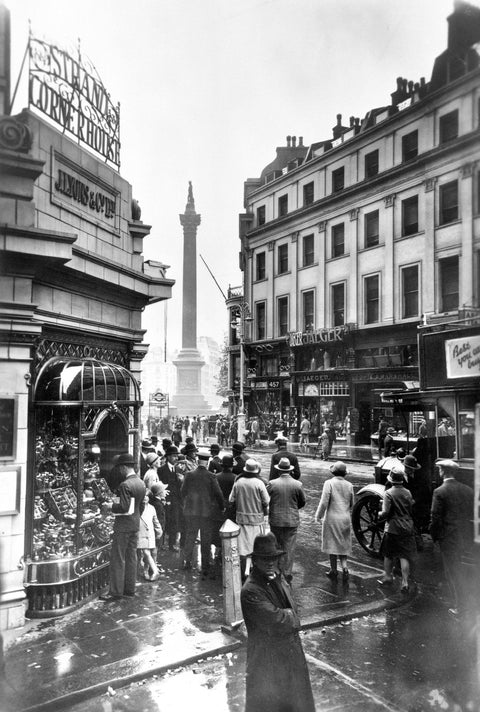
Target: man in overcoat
{"points": [[282, 451], [452, 527], [173, 511], [277, 674]]}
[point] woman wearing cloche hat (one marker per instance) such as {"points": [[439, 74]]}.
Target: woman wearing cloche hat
{"points": [[335, 509]]}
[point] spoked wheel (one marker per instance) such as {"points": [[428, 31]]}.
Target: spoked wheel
{"points": [[365, 523]]}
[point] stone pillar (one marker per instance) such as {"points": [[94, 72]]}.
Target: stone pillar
{"points": [[232, 580]]}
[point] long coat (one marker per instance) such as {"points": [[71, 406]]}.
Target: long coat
{"points": [[452, 511], [335, 507], [277, 673]]}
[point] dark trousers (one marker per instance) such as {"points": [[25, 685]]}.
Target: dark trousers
{"points": [[287, 538], [123, 564], [192, 525]]}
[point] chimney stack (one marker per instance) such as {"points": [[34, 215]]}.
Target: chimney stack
{"points": [[294, 141], [289, 139]]}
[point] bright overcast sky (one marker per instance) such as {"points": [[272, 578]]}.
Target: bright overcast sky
{"points": [[209, 88]]}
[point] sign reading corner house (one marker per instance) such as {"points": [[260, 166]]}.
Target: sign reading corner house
{"points": [[463, 357], [70, 92]]}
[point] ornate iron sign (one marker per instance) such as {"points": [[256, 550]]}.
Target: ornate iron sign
{"points": [[70, 92]]}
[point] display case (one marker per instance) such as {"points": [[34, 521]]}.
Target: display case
{"points": [[77, 434]]}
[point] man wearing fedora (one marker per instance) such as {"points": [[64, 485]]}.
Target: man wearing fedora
{"points": [[277, 674], [286, 498], [123, 557], [174, 524], [250, 497], [147, 448], [239, 457], [451, 526], [200, 492], [282, 451]]}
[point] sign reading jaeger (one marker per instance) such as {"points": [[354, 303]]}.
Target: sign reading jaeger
{"points": [[72, 95], [463, 357], [317, 336]]}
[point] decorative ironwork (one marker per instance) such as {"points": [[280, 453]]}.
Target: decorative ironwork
{"points": [[70, 92], [47, 349]]}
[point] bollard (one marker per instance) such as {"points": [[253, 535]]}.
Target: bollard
{"points": [[232, 580]]}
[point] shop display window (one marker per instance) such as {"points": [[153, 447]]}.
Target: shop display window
{"points": [[68, 517]]}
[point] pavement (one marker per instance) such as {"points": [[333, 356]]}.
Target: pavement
{"points": [[172, 622]]}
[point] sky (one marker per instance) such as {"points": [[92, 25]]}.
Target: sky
{"points": [[209, 88]]}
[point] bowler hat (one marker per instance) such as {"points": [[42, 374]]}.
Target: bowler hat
{"points": [[190, 447], [166, 442], [280, 440], [151, 458], [447, 464], [400, 453], [189, 440], [238, 447], [338, 468], [227, 461], [154, 439], [251, 467], [411, 462], [396, 475], [203, 454], [171, 450], [214, 447], [266, 546], [124, 459], [391, 430], [284, 465]]}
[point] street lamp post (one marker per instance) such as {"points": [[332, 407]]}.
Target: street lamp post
{"points": [[241, 315]]}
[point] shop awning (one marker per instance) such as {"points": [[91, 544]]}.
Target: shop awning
{"points": [[73, 379]]}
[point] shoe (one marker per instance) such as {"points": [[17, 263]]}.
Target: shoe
{"points": [[405, 590], [331, 574], [108, 598], [345, 574], [385, 582]]}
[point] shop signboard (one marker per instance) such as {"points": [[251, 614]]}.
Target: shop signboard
{"points": [[463, 357], [70, 93]]}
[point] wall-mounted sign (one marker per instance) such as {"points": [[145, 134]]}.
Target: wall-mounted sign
{"points": [[7, 427], [317, 336], [463, 357], [70, 92], [85, 194], [9, 490]]}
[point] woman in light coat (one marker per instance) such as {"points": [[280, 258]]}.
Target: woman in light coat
{"points": [[149, 533], [335, 510]]}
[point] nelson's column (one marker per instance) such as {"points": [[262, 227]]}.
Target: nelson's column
{"points": [[189, 399]]}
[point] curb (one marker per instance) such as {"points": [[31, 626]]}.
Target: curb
{"points": [[67, 700]]}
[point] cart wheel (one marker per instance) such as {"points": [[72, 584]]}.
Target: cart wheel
{"points": [[365, 523]]}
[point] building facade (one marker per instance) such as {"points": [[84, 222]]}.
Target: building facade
{"points": [[73, 287], [347, 246]]}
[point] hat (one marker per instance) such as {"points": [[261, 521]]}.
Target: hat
{"points": [[171, 450], [189, 440], [390, 430], [166, 442], [281, 440], [238, 447], [203, 454], [146, 444], [125, 459], [154, 439], [447, 464], [396, 475], [227, 461], [338, 468], [159, 488], [411, 462], [266, 546], [284, 465], [400, 453], [151, 458], [190, 447], [214, 447], [251, 466]]}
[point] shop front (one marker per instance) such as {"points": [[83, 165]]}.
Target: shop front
{"points": [[84, 412]]}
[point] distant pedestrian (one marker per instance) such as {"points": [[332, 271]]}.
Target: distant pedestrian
{"points": [[389, 443], [254, 430], [335, 509], [239, 457], [215, 462], [126, 509], [250, 497], [200, 491], [281, 443], [305, 428], [173, 514], [325, 446], [451, 526], [149, 537], [382, 431], [399, 538], [277, 678], [286, 499]]}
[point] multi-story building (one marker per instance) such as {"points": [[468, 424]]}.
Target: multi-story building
{"points": [[349, 244]]}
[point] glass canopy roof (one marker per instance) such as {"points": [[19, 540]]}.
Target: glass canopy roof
{"points": [[72, 379]]}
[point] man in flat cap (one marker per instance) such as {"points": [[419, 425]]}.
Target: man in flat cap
{"points": [[451, 526], [123, 557]]}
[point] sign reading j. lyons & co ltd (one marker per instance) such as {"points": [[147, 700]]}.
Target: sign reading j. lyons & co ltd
{"points": [[71, 94], [463, 357]]}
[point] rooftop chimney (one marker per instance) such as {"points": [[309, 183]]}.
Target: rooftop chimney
{"points": [[300, 141], [294, 141], [289, 139]]}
